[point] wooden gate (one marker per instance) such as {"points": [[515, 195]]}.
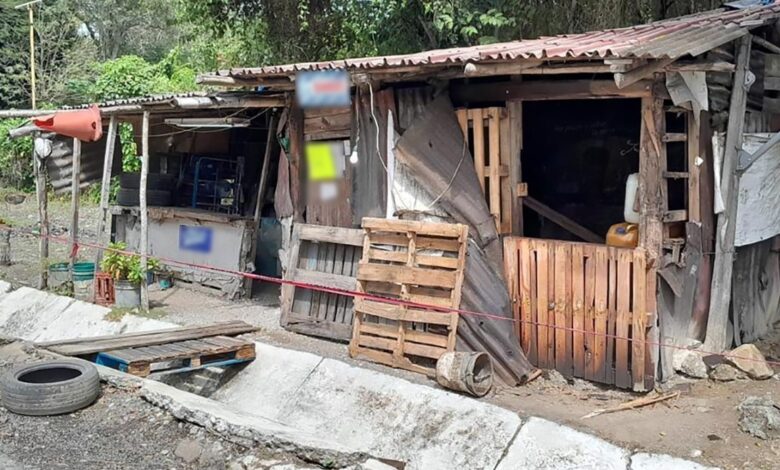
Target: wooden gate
{"points": [[581, 309]]}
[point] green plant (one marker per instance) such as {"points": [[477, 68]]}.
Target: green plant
{"points": [[16, 168], [125, 267]]}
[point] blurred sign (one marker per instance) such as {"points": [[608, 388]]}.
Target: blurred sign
{"points": [[195, 238], [322, 89], [320, 161]]}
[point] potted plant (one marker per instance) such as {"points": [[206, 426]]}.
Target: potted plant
{"points": [[126, 271]]}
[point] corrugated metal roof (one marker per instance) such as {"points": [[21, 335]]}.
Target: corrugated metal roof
{"points": [[151, 100], [666, 39]]}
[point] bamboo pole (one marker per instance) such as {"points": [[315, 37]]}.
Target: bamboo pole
{"points": [[104, 221], [75, 190], [39, 169], [144, 214]]}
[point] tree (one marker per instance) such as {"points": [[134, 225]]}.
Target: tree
{"points": [[14, 58]]}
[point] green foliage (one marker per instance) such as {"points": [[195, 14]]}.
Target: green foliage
{"points": [[14, 58], [131, 162], [93, 191], [16, 168], [125, 267]]}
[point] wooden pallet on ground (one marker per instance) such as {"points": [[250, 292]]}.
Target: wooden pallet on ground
{"points": [[418, 262], [96, 344], [326, 256], [180, 356]]}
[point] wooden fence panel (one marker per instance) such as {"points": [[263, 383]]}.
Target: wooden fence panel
{"points": [[581, 309]]}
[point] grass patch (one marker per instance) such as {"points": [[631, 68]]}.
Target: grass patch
{"points": [[117, 313]]}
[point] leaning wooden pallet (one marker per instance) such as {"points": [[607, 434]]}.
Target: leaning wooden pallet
{"points": [[419, 262]]}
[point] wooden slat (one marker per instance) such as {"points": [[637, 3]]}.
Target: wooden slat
{"points": [[463, 121], [611, 313], [622, 347], [694, 169], [495, 164], [601, 315], [676, 216], [423, 243], [395, 312], [415, 349], [409, 335], [562, 266], [84, 346], [325, 279], [578, 311], [407, 275], [639, 321], [425, 228], [422, 260], [542, 303], [476, 117], [339, 235], [590, 312], [674, 137]]}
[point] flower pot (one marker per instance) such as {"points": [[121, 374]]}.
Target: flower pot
{"points": [[127, 294]]}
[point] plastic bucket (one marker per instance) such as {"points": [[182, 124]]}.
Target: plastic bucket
{"points": [[58, 274], [83, 271]]}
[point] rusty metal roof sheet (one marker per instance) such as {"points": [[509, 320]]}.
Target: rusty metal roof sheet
{"points": [[666, 39], [151, 100]]}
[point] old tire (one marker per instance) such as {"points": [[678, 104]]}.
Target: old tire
{"points": [[50, 387], [127, 197]]}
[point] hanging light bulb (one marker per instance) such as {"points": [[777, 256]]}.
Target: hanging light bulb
{"points": [[353, 157]]}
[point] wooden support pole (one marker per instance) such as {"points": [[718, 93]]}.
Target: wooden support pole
{"points": [[718, 338], [562, 221], [104, 222], [75, 194], [766, 45], [39, 168], [144, 248]]}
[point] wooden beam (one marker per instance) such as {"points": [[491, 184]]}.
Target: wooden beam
{"points": [[237, 82], [546, 90], [104, 219], [651, 194], [766, 45], [558, 69], [144, 248], [561, 220], [75, 194], [622, 80], [700, 66], [508, 68], [718, 338]]}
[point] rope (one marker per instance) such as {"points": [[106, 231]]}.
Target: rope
{"points": [[388, 300]]}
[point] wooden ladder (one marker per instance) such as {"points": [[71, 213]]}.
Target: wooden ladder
{"points": [[691, 175]]}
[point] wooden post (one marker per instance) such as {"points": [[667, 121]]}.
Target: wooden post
{"points": [[5, 245], [144, 248], [717, 338], [39, 168], [104, 222], [297, 182], [75, 193]]}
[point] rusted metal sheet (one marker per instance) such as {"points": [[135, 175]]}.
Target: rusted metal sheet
{"points": [[667, 39]]}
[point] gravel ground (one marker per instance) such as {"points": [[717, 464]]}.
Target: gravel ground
{"points": [[119, 431]]}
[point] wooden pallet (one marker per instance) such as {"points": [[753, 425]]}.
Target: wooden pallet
{"points": [[325, 256], [581, 309], [487, 137], [414, 261], [180, 356]]}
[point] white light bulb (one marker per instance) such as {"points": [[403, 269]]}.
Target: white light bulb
{"points": [[353, 158]]}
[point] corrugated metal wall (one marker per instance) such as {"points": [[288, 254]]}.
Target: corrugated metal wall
{"points": [[60, 163]]}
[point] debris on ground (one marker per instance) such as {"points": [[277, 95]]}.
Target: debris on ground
{"points": [[725, 373], [638, 403], [555, 378], [690, 363], [749, 359], [759, 417]]}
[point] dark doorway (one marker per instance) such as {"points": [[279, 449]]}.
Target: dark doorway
{"points": [[576, 158]]}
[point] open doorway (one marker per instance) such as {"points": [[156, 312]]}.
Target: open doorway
{"points": [[576, 158]]}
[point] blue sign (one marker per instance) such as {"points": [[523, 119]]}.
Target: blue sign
{"points": [[323, 89], [195, 238]]}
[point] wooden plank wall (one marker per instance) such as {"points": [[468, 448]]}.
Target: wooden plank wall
{"points": [[489, 144], [325, 256], [400, 260], [579, 306]]}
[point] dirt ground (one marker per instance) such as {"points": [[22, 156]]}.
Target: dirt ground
{"points": [[701, 424], [119, 431]]}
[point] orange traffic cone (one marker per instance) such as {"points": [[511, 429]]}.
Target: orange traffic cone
{"points": [[85, 125]]}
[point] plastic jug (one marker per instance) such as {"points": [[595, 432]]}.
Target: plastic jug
{"points": [[632, 186], [623, 235]]}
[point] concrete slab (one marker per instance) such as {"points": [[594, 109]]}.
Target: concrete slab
{"points": [[542, 444], [269, 381], [396, 419], [645, 461], [234, 424], [5, 288], [25, 312], [79, 320]]}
